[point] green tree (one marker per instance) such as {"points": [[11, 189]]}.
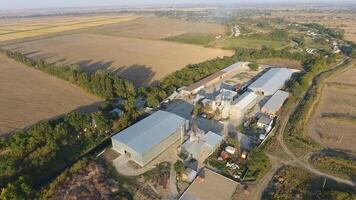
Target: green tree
{"points": [[253, 66], [18, 190], [179, 167], [102, 123], [152, 101]]}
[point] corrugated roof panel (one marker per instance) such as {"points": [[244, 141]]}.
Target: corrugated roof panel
{"points": [[272, 80], [151, 131], [276, 101], [233, 67], [245, 99], [212, 139]]}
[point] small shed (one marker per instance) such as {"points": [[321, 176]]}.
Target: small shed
{"points": [[264, 122], [230, 149], [189, 175]]}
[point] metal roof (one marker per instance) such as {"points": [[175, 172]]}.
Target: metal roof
{"points": [[234, 67], [212, 139], [151, 131], [272, 80], [207, 142], [202, 82], [244, 100], [276, 101]]}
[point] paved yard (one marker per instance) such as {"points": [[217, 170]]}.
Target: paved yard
{"points": [[123, 166]]}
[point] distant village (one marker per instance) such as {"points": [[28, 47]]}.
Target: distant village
{"points": [[210, 127]]}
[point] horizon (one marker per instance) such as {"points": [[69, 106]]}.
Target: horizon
{"points": [[14, 5]]}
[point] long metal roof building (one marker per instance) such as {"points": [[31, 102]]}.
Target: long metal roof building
{"points": [[275, 103], [245, 101], [149, 137], [271, 81]]}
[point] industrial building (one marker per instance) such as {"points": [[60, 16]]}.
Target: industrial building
{"points": [[146, 139], [214, 78], [275, 103], [271, 81], [243, 103], [201, 145]]}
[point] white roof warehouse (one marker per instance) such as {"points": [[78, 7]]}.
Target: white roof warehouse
{"points": [[146, 139], [271, 81], [275, 103]]}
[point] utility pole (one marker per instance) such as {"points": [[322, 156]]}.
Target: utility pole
{"points": [[324, 183]]}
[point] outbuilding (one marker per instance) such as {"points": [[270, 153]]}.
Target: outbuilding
{"points": [[201, 145], [146, 139]]}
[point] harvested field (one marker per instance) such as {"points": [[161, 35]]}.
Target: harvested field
{"points": [[28, 96], [138, 60], [12, 29], [294, 64], [333, 124], [152, 27]]}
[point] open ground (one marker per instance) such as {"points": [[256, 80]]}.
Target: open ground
{"points": [[152, 27], [139, 60], [13, 29], [28, 96], [333, 124]]}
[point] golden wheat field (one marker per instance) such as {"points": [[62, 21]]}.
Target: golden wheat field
{"points": [[25, 28], [28, 96], [139, 60]]}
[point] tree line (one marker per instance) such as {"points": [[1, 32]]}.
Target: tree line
{"points": [[101, 83]]}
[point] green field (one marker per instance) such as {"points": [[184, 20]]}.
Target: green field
{"points": [[254, 41], [194, 38], [250, 42]]}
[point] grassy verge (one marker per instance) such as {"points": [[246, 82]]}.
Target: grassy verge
{"points": [[336, 163], [295, 183], [258, 164], [296, 130]]}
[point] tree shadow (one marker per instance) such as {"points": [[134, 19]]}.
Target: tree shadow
{"points": [[140, 75]]}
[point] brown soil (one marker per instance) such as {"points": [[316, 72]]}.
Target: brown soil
{"points": [[338, 97], [28, 96]]}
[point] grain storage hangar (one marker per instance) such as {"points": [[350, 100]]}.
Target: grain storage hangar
{"points": [[274, 104], [271, 81], [146, 139]]}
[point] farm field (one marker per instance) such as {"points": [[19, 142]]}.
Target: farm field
{"points": [[28, 96], [334, 122], [209, 40], [139, 60], [29, 27], [282, 62], [249, 42], [152, 27]]}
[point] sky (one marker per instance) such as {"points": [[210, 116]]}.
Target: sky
{"points": [[31, 4]]}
